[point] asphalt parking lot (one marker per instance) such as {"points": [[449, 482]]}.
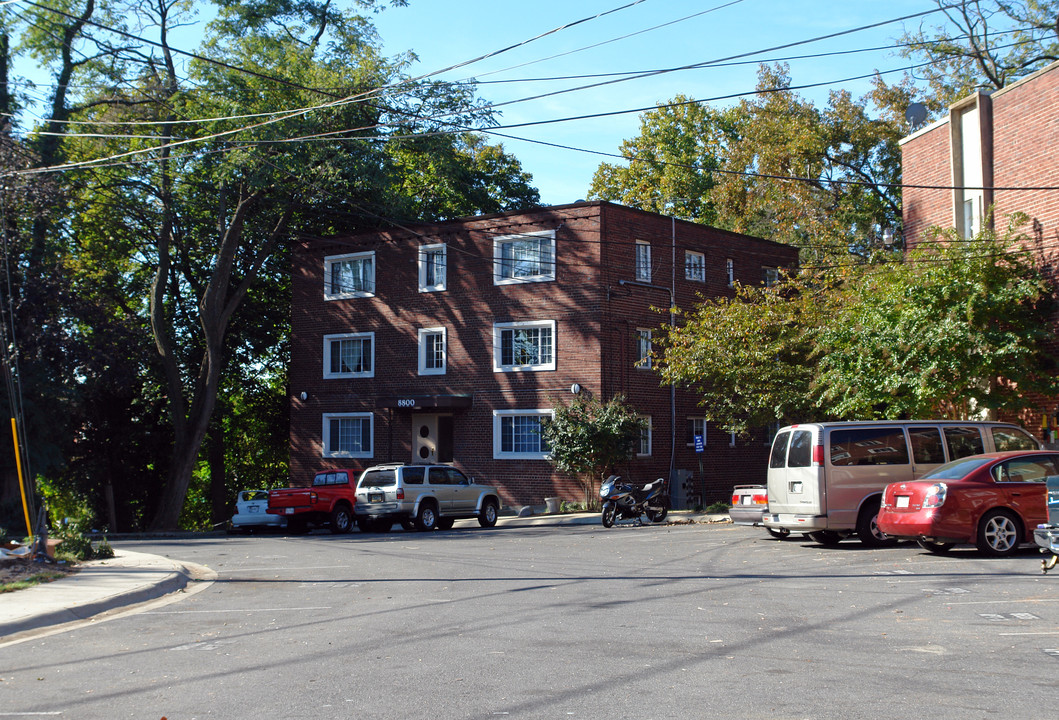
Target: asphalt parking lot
{"points": [[683, 620]]}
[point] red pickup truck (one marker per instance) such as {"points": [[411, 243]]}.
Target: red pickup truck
{"points": [[329, 501]]}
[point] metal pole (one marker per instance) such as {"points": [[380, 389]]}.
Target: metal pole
{"points": [[21, 481]]}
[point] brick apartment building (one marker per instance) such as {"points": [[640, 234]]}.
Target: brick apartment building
{"points": [[985, 154], [449, 342]]}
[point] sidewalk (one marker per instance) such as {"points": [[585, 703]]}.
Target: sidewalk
{"points": [[131, 577]]}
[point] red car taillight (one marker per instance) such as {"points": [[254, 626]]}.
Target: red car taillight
{"points": [[818, 454], [935, 496], [735, 500], [400, 493], [312, 497], [761, 500]]}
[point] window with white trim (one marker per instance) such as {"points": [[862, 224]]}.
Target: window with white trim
{"points": [[770, 276], [729, 269], [524, 346], [523, 258], [349, 355], [349, 276], [643, 449], [432, 267], [348, 435], [696, 426], [517, 434], [643, 260], [643, 349], [432, 351], [694, 266]]}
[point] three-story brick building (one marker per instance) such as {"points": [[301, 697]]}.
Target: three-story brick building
{"points": [[450, 342]]}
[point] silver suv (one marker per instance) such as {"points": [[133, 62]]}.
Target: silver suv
{"points": [[421, 497]]}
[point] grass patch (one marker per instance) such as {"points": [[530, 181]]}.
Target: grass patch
{"points": [[27, 582]]}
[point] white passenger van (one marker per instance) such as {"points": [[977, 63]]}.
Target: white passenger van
{"points": [[826, 479]]}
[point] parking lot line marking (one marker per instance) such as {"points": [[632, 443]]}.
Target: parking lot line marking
{"points": [[1006, 601], [244, 610], [1053, 632]]}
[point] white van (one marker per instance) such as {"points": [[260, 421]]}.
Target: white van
{"points": [[826, 479]]}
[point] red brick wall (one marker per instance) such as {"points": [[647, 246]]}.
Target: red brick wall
{"points": [[926, 160], [596, 321]]}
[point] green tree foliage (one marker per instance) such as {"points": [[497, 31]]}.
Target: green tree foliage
{"points": [[773, 166], [589, 438], [954, 329], [175, 253]]}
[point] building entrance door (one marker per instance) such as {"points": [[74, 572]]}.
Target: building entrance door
{"points": [[432, 438]]}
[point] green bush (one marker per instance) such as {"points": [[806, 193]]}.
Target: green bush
{"points": [[717, 508]]}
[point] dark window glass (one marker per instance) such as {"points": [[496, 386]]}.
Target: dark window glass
{"points": [[1027, 470], [883, 445], [1012, 439], [413, 475], [378, 478], [963, 441], [927, 447], [801, 454], [778, 458]]}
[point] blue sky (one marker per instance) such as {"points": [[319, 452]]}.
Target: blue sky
{"points": [[445, 33]]}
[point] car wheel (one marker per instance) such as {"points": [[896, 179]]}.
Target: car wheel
{"points": [[427, 517], [446, 523], [610, 511], [868, 527], [998, 534], [487, 517], [779, 533], [938, 548], [825, 537], [656, 514], [341, 520]]}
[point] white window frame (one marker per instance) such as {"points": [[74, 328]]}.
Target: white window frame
{"points": [[424, 346], [498, 332], [329, 339], [644, 347], [331, 260], [643, 260], [729, 269], [328, 452], [694, 266], [498, 452], [645, 434], [546, 261], [440, 283], [697, 418]]}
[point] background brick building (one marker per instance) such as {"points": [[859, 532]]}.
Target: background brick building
{"points": [[448, 342], [998, 150]]}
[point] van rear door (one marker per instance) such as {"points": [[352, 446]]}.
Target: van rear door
{"points": [[794, 476]]}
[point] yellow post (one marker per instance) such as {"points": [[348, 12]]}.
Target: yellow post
{"points": [[21, 482]]}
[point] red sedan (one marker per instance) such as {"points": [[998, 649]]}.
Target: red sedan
{"points": [[993, 501]]}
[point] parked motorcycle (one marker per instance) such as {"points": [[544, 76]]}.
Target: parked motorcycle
{"points": [[626, 500]]}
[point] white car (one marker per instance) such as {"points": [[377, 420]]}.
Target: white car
{"points": [[251, 512]]}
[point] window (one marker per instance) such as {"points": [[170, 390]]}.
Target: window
{"points": [[517, 434], [778, 457], [528, 345], [349, 276], [696, 426], [432, 263], [643, 349], [1012, 439], [869, 446], [694, 266], [350, 355], [348, 435], [963, 441], [770, 276], [1026, 470], [644, 448], [432, 351], [801, 449], [528, 257], [729, 269], [927, 447], [643, 260]]}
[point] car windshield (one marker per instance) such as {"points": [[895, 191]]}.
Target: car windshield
{"points": [[957, 469], [378, 478], [255, 495]]}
